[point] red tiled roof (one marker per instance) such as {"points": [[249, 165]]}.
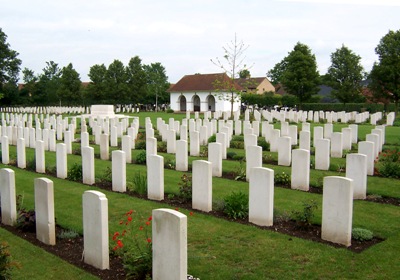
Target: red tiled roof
{"points": [[201, 82], [250, 83]]}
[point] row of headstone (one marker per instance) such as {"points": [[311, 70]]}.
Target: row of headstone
{"points": [[169, 227]]}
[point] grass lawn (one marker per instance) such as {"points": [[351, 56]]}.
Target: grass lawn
{"points": [[220, 249]]}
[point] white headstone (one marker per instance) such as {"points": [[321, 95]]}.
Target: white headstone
{"points": [[202, 185], [300, 177], [44, 211], [7, 196]]}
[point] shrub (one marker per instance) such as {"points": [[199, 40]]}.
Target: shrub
{"points": [[31, 164], [140, 145], [140, 183], [105, 179], [212, 139], [361, 234], [236, 205], [26, 220], [162, 147], [238, 138], [263, 144], [141, 158], [303, 218], [237, 145], [170, 164], [185, 187], [136, 249], [282, 179], [238, 157], [75, 173], [169, 111], [240, 172], [77, 151], [51, 170], [230, 155]]}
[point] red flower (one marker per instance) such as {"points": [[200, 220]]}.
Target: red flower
{"points": [[147, 223], [148, 240], [140, 228], [150, 218], [115, 235], [129, 218], [191, 213], [115, 248], [120, 244], [129, 212], [176, 209]]}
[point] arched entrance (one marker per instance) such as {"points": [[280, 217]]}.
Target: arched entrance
{"points": [[196, 103], [182, 103], [211, 103]]}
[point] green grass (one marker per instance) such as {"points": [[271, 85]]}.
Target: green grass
{"points": [[219, 249]]}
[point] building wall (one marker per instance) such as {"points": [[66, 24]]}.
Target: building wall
{"points": [[222, 101], [264, 86]]}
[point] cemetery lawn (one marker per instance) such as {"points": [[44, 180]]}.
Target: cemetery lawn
{"points": [[219, 248]]}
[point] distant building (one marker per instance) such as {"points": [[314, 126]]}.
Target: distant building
{"points": [[199, 93], [257, 85]]}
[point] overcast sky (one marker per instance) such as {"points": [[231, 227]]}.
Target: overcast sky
{"points": [[183, 35]]}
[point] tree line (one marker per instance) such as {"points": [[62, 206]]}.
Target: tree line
{"points": [[140, 83], [298, 73], [134, 83]]}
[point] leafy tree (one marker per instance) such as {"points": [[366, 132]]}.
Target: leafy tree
{"points": [[275, 74], [244, 73], [157, 83], [300, 75], [95, 93], [385, 75], [69, 91], [116, 83], [233, 61], [9, 63], [136, 78], [29, 78], [9, 69], [345, 75], [47, 85]]}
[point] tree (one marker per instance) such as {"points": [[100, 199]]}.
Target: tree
{"points": [[244, 73], [385, 75], [234, 62], [136, 78], [116, 83], [9, 69], [300, 76], [157, 83], [345, 75], [69, 91], [47, 85], [9, 63], [95, 92], [275, 74], [30, 79]]}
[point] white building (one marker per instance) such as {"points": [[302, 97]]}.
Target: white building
{"points": [[203, 92]]}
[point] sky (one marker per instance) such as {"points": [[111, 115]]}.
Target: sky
{"points": [[184, 35]]}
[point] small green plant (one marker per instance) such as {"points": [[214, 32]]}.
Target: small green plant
{"points": [[263, 144], [230, 155], [77, 151], [170, 164], [75, 173], [140, 183], [303, 218], [169, 111], [212, 139], [185, 187], [240, 172], [141, 158], [68, 234], [361, 234], [6, 264], [162, 147], [105, 179], [31, 164], [140, 145], [282, 179], [236, 205], [51, 170]]}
